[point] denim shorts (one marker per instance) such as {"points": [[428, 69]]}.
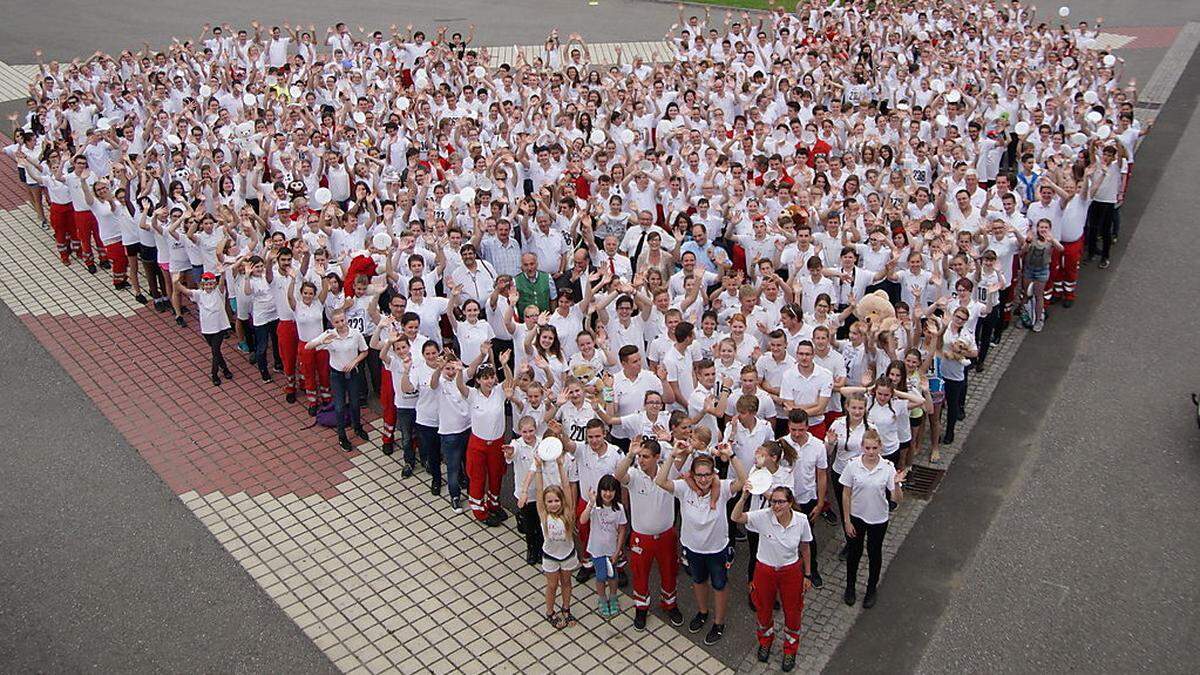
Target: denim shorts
{"points": [[709, 568], [1038, 274], [605, 568]]}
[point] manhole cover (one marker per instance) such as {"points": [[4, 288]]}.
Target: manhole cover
{"points": [[922, 480]]}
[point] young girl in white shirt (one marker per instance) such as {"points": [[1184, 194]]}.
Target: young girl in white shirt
{"points": [[608, 522]]}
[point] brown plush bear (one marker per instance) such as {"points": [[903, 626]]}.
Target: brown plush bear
{"points": [[875, 307]]}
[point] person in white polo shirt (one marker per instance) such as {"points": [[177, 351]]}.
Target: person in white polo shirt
{"points": [[347, 348], [781, 568], [810, 476], [704, 532], [210, 304], [652, 538], [485, 454], [807, 387], [867, 482]]}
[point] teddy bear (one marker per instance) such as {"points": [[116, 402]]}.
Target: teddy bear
{"points": [[876, 309]]}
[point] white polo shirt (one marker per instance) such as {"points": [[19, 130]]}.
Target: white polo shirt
{"points": [[344, 349], [630, 395], [592, 466], [810, 457], [487, 413], [868, 489], [803, 389], [703, 529], [778, 546], [650, 507], [746, 441]]}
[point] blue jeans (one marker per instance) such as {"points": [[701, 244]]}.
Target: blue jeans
{"points": [[346, 388], [431, 445], [263, 334], [406, 419], [453, 450]]}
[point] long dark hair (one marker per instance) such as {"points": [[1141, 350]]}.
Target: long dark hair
{"points": [[608, 482]]}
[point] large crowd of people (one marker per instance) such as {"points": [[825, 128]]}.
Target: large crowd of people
{"points": [[689, 303]]}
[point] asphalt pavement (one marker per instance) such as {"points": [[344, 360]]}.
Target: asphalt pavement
{"points": [[102, 568], [1064, 539]]}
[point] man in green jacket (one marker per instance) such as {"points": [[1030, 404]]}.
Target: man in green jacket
{"points": [[535, 287]]}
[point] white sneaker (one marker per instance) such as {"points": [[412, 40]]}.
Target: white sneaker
{"points": [[1038, 325]]}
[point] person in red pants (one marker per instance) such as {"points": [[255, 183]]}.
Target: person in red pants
{"points": [[280, 276], [103, 206], [781, 568], [485, 453], [652, 538], [389, 325], [84, 229], [309, 314]]}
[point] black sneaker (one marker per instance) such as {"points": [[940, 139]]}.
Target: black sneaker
{"points": [[290, 398], [715, 634], [141, 299], [216, 380], [675, 617], [227, 374], [389, 447], [585, 572], [91, 269], [789, 663], [180, 322], [492, 520], [849, 597], [407, 471], [764, 654], [639, 619], [456, 504], [312, 411], [501, 514], [104, 264], [869, 599], [816, 580], [266, 377], [697, 622], [345, 443], [435, 489], [1104, 264]]}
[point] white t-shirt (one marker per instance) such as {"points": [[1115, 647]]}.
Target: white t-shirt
{"points": [[650, 507], [604, 522], [487, 413], [868, 489], [704, 529], [778, 545], [343, 350], [211, 304]]}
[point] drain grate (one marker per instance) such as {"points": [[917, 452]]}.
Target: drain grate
{"points": [[922, 480]]}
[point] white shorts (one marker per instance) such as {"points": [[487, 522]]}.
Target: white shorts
{"points": [[550, 565]]}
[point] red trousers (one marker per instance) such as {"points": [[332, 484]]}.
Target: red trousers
{"points": [[314, 368], [818, 429], [87, 231], [62, 221], [289, 343], [1064, 271], [120, 262], [582, 530], [387, 399], [485, 469], [644, 551], [786, 583]]}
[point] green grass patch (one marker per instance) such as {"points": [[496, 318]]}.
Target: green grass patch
{"points": [[741, 4]]}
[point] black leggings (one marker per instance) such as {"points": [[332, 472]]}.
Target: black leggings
{"points": [[873, 534], [956, 401], [214, 345], [1101, 217], [807, 508], [989, 325]]}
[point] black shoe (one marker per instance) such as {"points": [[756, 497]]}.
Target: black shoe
{"points": [[764, 654], [407, 471], [91, 269], [675, 617], [185, 310], [639, 619], [816, 580], [160, 306], [869, 599], [533, 558], [120, 286], [361, 433], [344, 442], [622, 578], [216, 380], [584, 573], [435, 489], [290, 398], [789, 663], [180, 322], [1104, 264], [962, 414], [266, 377], [106, 265], [279, 367], [697, 622], [227, 374], [850, 597], [842, 553], [948, 438], [501, 514], [141, 299], [312, 410], [1068, 303], [456, 504], [492, 520], [715, 634], [389, 447]]}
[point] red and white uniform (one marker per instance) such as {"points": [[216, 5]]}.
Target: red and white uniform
{"points": [[653, 538]]}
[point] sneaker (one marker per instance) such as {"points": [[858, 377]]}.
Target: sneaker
{"points": [[639, 619], [715, 634], [435, 489], [614, 606], [491, 520], [312, 410], [389, 447], [290, 398], [789, 663], [180, 322], [502, 515], [764, 654], [266, 377], [242, 346], [675, 617], [345, 443], [1038, 325], [816, 580], [603, 608], [407, 471], [91, 268], [456, 504], [1104, 264], [227, 374], [141, 299], [697, 622], [216, 380]]}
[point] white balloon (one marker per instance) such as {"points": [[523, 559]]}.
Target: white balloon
{"points": [[402, 103], [322, 197], [295, 91], [1110, 60], [360, 117], [467, 195], [627, 136], [1094, 117], [1064, 11], [549, 448], [953, 97], [447, 202], [1104, 131], [205, 91], [1078, 138], [381, 241], [249, 99], [1090, 96], [942, 120], [480, 72], [1022, 128], [597, 137], [420, 79]]}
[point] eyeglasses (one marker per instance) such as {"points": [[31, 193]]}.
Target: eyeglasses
{"points": [[702, 475], [780, 501]]}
